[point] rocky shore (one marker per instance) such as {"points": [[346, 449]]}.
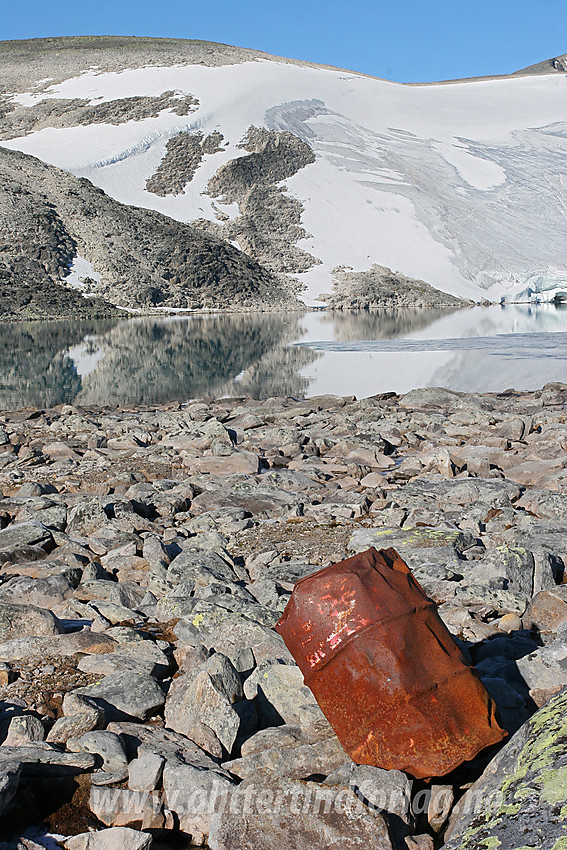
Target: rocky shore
{"points": [[146, 555]]}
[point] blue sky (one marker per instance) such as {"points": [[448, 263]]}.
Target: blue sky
{"points": [[408, 41]]}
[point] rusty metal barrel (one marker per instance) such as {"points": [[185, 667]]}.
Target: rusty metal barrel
{"points": [[385, 670]]}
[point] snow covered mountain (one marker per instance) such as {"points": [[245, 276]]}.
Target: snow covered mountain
{"points": [[317, 173]]}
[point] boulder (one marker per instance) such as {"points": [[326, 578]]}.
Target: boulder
{"points": [[238, 462], [145, 772], [56, 646], [200, 705], [42, 592], [520, 799], [201, 566], [386, 791], [106, 745], [126, 695], [9, 781], [18, 536], [171, 745], [122, 807], [17, 620], [273, 812], [546, 540], [194, 794], [437, 549], [23, 730], [545, 670], [546, 612], [280, 692]]}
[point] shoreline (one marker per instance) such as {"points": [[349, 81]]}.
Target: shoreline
{"points": [[130, 313]]}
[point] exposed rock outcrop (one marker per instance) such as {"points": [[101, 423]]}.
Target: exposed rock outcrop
{"points": [[183, 155], [381, 287], [57, 112], [269, 225]]}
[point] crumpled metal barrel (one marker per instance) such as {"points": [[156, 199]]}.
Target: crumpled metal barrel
{"points": [[384, 668]]}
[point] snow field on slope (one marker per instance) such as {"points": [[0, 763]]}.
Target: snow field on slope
{"points": [[355, 201]]}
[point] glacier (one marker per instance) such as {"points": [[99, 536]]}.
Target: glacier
{"points": [[458, 184]]}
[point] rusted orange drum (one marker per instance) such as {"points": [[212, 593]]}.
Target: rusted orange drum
{"points": [[384, 668]]}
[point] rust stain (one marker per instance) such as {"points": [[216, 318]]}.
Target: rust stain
{"points": [[384, 668]]}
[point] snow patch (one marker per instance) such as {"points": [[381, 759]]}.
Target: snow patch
{"points": [[80, 269], [478, 173]]}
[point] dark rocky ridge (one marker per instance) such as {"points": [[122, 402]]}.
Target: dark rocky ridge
{"points": [[27, 61], [144, 258], [51, 60]]}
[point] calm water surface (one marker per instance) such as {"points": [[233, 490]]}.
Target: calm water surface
{"points": [[152, 360]]}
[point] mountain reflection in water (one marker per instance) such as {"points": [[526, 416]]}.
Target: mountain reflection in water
{"points": [[150, 360], [174, 358]]}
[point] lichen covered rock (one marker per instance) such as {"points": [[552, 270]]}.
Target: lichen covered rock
{"points": [[520, 800]]}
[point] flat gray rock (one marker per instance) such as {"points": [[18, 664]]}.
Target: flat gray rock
{"points": [[297, 762], [41, 759], [229, 632], [201, 566], [110, 839], [18, 535], [282, 812], [55, 645], [437, 397], [126, 695], [171, 745]]}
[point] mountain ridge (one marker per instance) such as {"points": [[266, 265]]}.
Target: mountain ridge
{"points": [[50, 217], [454, 184], [241, 54]]}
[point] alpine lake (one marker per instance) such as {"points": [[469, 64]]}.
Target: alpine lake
{"points": [[157, 359]]}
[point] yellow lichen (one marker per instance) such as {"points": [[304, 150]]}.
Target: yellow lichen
{"points": [[554, 785]]}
